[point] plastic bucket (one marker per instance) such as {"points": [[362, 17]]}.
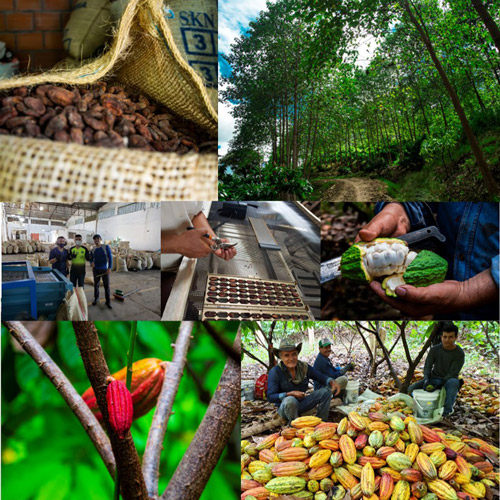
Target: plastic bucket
{"points": [[247, 390], [351, 392], [426, 402]]}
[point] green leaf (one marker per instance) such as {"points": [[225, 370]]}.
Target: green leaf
{"points": [[58, 487]]}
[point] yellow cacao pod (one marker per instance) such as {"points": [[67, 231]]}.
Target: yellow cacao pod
{"points": [[442, 489], [367, 480], [426, 466], [346, 445], [302, 422], [319, 458], [401, 491]]}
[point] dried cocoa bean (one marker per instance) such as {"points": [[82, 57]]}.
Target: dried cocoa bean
{"points": [[100, 136], [31, 106], [32, 129], [137, 141], [88, 135], [95, 123], [62, 135], [17, 121], [143, 130], [112, 105], [60, 96], [56, 124], [130, 118], [109, 118], [141, 119], [21, 91], [74, 118], [11, 100], [51, 112], [117, 139], [76, 135], [161, 135], [41, 91], [7, 113], [124, 127]]}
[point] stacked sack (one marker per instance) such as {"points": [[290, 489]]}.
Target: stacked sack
{"points": [[22, 246], [374, 457]]}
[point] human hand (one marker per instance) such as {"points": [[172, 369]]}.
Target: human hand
{"points": [[392, 221], [297, 394], [429, 388], [193, 243], [226, 253], [108, 271], [445, 297], [334, 387]]}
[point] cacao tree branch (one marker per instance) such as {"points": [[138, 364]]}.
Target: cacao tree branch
{"points": [[250, 355], [127, 459], [197, 464], [154, 445], [67, 391], [221, 341]]}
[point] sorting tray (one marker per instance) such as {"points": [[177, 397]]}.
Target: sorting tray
{"points": [[234, 297]]}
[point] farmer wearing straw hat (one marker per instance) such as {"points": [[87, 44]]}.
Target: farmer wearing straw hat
{"points": [[289, 380], [323, 365]]}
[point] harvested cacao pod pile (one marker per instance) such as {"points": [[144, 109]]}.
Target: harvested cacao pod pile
{"points": [[99, 115], [371, 457], [385, 406]]}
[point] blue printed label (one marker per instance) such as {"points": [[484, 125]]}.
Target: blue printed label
{"points": [[207, 70], [199, 42]]}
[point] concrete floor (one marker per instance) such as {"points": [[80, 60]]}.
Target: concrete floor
{"points": [[142, 305]]}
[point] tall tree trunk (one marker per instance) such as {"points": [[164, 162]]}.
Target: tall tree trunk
{"points": [[478, 95], [488, 22], [422, 107], [489, 181], [295, 140]]}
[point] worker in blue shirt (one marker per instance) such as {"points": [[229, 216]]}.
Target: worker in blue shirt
{"points": [[470, 290], [323, 365], [102, 260], [289, 380], [58, 256]]}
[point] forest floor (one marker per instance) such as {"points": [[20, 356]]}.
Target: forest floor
{"points": [[355, 189]]}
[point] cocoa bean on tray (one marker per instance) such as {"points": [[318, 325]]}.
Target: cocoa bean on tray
{"points": [[99, 115]]}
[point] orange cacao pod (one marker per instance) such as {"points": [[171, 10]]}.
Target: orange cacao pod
{"points": [[426, 466], [447, 470], [411, 475], [248, 484], [429, 435], [293, 454], [345, 478], [319, 473], [147, 379], [348, 449], [442, 489], [120, 408], [259, 493], [375, 462], [386, 487], [288, 468]]}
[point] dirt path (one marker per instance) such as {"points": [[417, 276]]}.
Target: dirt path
{"points": [[357, 189]]}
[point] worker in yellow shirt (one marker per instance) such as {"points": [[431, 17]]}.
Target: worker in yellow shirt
{"points": [[78, 255]]}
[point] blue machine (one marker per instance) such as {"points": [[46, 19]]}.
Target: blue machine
{"points": [[32, 292]]}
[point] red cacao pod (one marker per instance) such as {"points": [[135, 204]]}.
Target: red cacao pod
{"points": [[120, 408], [147, 379]]}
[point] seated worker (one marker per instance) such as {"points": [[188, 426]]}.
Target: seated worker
{"points": [[471, 250], [441, 369], [289, 380], [323, 365], [78, 255]]}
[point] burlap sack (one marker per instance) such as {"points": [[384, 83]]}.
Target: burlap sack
{"points": [[143, 56], [43, 261], [32, 259], [87, 28], [121, 265], [134, 263], [149, 261], [156, 260]]}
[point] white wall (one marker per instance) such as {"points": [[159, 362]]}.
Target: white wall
{"points": [[141, 228], [46, 233]]}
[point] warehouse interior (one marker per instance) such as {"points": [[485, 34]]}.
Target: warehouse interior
{"points": [[274, 274], [30, 231]]}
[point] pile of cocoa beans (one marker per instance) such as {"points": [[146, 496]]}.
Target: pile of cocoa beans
{"points": [[99, 115]]}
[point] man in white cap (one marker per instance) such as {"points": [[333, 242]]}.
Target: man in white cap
{"points": [[289, 380]]}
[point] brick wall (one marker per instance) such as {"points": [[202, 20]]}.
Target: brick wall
{"points": [[32, 29]]}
